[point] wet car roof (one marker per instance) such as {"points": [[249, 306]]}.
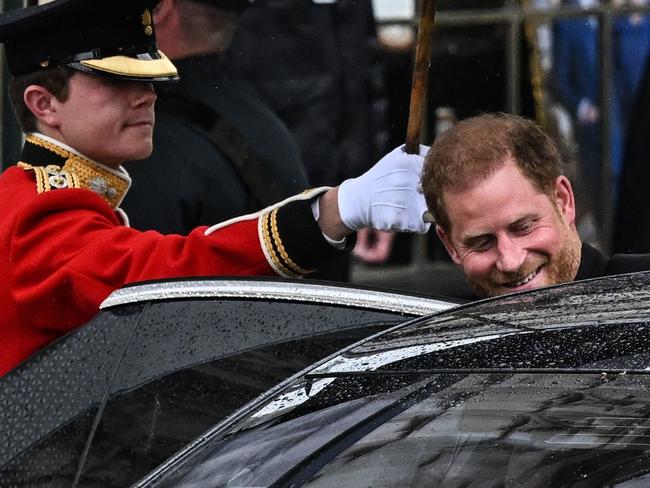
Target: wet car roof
{"points": [[484, 370]]}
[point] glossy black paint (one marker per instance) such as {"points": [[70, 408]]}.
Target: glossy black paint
{"points": [[342, 424], [67, 381], [115, 398]]}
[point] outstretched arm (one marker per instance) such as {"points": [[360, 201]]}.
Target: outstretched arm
{"points": [[386, 197]]}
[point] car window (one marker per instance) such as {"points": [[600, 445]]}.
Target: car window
{"points": [[49, 403], [54, 458], [448, 429], [496, 430]]}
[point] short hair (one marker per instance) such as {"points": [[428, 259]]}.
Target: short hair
{"points": [[477, 147], [55, 80], [208, 24]]}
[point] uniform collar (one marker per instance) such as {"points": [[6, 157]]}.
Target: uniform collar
{"points": [[57, 166]]}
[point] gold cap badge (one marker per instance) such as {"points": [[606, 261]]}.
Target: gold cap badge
{"points": [[147, 22]]}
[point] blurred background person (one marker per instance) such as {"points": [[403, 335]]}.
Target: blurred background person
{"points": [[576, 83], [316, 63], [631, 44], [219, 151], [632, 233]]}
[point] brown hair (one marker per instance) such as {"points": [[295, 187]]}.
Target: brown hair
{"points": [[476, 147], [55, 80]]}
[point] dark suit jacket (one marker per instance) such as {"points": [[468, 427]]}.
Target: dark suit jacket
{"points": [[187, 181], [594, 264], [632, 223], [315, 65]]}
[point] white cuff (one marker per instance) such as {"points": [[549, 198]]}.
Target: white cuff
{"points": [[315, 210]]}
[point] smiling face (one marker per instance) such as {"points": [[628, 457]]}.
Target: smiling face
{"points": [[508, 236], [107, 120]]}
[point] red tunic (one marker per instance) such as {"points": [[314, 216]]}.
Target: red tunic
{"points": [[63, 251]]}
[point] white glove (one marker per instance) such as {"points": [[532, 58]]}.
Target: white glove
{"points": [[387, 196]]}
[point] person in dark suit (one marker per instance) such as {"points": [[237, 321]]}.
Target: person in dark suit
{"points": [[219, 151], [316, 64], [630, 48], [632, 223], [505, 212], [576, 81]]}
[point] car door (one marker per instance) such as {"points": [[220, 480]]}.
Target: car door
{"points": [[175, 358]]}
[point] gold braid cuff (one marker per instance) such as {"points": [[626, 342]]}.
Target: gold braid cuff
{"points": [[275, 249]]}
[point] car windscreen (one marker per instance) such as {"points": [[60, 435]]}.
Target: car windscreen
{"points": [[483, 421], [501, 430], [452, 430]]}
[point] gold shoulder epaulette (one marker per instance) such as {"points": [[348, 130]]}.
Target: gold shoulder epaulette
{"points": [[52, 177], [76, 172], [81, 173]]}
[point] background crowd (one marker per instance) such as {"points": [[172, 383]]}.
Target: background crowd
{"points": [[279, 95], [315, 90]]}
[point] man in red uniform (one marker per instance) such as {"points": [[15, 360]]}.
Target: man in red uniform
{"points": [[82, 89]]}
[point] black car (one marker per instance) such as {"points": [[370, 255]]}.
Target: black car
{"points": [[164, 362], [537, 389]]}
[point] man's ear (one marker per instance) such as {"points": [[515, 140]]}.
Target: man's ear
{"points": [[41, 103], [162, 11], [166, 18], [449, 246], [565, 200]]}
